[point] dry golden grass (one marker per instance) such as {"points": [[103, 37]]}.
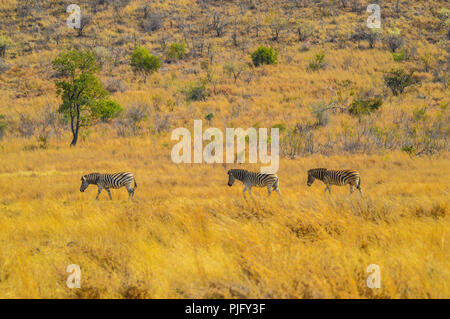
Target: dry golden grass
{"points": [[188, 235]]}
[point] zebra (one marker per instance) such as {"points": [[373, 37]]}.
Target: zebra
{"points": [[340, 178], [251, 179], [108, 181]]}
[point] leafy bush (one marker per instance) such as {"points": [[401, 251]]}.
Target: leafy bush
{"points": [[106, 110], [176, 51], [363, 106], [397, 80], [144, 63], [398, 57], [264, 55], [318, 62]]}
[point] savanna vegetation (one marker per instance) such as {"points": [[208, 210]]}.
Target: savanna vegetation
{"points": [[105, 97]]}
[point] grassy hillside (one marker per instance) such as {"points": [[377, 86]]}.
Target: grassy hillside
{"points": [[187, 234]]}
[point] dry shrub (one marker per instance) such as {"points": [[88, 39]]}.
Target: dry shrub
{"points": [[438, 210]]}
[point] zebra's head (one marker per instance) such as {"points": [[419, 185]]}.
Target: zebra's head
{"points": [[315, 173], [231, 178], [311, 178], [84, 184]]}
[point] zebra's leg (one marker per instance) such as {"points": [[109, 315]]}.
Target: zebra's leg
{"points": [[243, 192], [358, 186], [98, 192], [269, 190], [130, 192], [351, 189], [275, 187], [109, 193]]}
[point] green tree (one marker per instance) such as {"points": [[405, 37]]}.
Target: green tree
{"points": [[144, 63], [84, 99]]}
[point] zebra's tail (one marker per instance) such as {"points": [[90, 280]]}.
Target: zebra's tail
{"points": [[135, 184]]}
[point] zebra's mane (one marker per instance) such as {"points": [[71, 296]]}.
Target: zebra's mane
{"points": [[239, 173], [92, 177], [316, 171], [236, 170]]}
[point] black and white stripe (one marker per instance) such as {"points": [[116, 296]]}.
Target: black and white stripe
{"points": [[107, 181], [339, 178], [251, 179]]}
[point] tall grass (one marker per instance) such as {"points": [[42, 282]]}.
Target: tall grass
{"points": [[188, 235]]}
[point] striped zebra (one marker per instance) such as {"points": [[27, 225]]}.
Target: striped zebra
{"points": [[107, 181], [340, 178], [251, 179]]}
